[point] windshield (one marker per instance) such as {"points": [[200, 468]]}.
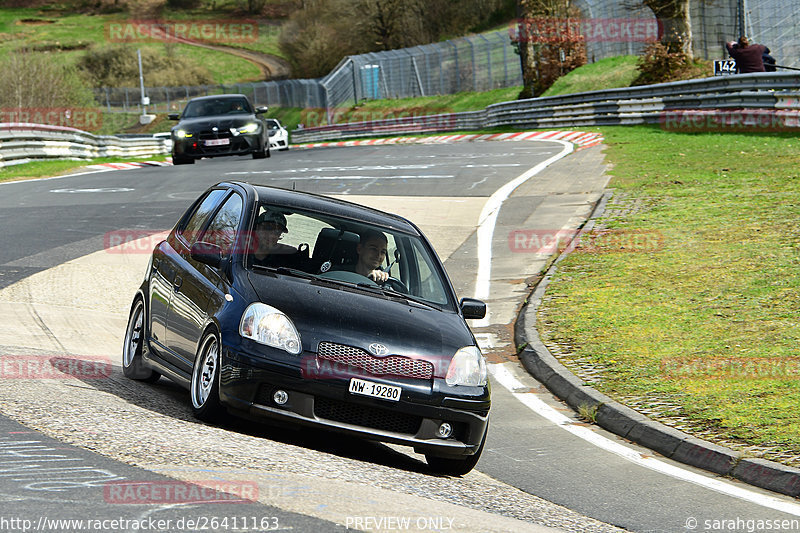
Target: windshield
{"points": [[217, 106], [345, 252]]}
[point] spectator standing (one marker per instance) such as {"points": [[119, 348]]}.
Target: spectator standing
{"points": [[749, 57]]}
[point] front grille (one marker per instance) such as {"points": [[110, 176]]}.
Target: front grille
{"points": [[366, 416], [393, 365]]}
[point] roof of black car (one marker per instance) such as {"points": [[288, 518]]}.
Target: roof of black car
{"points": [[331, 206], [218, 96]]}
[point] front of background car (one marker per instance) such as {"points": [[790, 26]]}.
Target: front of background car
{"points": [[216, 126]]}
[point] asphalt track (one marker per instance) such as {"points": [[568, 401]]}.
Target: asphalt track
{"points": [[50, 292]]}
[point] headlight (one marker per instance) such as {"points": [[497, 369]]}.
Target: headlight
{"points": [[181, 134], [249, 128], [266, 325], [467, 368]]}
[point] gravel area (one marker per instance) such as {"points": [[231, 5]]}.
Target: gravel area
{"points": [[151, 426]]}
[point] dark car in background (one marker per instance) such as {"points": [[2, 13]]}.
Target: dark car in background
{"points": [[219, 125], [300, 336]]}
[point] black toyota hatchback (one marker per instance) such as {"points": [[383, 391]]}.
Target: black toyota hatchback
{"points": [[275, 304], [213, 126]]}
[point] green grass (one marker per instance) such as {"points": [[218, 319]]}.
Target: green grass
{"points": [[705, 318], [67, 36], [41, 169], [608, 73]]}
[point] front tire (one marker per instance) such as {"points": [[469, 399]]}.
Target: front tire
{"points": [[205, 380], [133, 366], [180, 160], [458, 466], [263, 153]]}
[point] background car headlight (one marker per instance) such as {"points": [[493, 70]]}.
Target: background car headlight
{"points": [[249, 128], [267, 325], [467, 367], [181, 134]]}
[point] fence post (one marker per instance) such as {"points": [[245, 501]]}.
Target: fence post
{"points": [[355, 87], [458, 73]]}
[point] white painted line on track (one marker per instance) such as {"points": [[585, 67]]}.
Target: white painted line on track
{"points": [[488, 220], [504, 377]]}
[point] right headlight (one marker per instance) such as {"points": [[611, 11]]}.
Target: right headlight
{"points": [[468, 367], [182, 134], [267, 325]]}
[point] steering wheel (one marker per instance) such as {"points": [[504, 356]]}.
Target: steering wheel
{"points": [[396, 285]]}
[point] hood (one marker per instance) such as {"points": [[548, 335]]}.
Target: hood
{"points": [[322, 312], [223, 122]]}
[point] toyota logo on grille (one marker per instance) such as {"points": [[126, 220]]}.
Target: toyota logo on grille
{"points": [[377, 348]]}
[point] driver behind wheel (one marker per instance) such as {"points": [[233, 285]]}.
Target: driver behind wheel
{"points": [[372, 251]]}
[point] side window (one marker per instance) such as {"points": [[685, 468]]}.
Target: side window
{"points": [[191, 230], [222, 229], [430, 287]]}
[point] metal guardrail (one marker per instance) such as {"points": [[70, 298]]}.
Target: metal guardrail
{"points": [[23, 143], [636, 105]]}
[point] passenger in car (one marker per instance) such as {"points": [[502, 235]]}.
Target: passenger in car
{"points": [[372, 251], [269, 228]]}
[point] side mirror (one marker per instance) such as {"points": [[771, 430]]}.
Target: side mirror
{"points": [[174, 116], [207, 253], [261, 109], [472, 308]]}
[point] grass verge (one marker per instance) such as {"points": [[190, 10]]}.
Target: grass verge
{"points": [[45, 169], [688, 303]]}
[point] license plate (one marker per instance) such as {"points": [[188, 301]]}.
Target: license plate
{"points": [[217, 142], [376, 390]]}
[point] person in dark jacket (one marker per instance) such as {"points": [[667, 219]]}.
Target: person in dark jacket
{"points": [[769, 61], [749, 57]]}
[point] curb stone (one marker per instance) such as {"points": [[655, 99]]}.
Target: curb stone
{"points": [[628, 423]]}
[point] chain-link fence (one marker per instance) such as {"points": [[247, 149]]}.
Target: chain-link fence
{"points": [[488, 61]]}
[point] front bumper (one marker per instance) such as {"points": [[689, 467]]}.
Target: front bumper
{"points": [[249, 380], [197, 147]]}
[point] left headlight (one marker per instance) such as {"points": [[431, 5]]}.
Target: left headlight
{"points": [[267, 325], [468, 367], [249, 128]]}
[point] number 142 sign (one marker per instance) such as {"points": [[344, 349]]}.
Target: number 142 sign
{"points": [[724, 67]]}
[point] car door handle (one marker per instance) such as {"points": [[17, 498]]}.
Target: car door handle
{"points": [[177, 282]]}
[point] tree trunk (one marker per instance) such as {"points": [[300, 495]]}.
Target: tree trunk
{"points": [[674, 16]]}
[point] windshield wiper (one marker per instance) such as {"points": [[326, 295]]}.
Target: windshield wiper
{"points": [[287, 271], [397, 294]]}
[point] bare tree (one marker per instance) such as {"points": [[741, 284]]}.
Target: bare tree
{"points": [[549, 42]]}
